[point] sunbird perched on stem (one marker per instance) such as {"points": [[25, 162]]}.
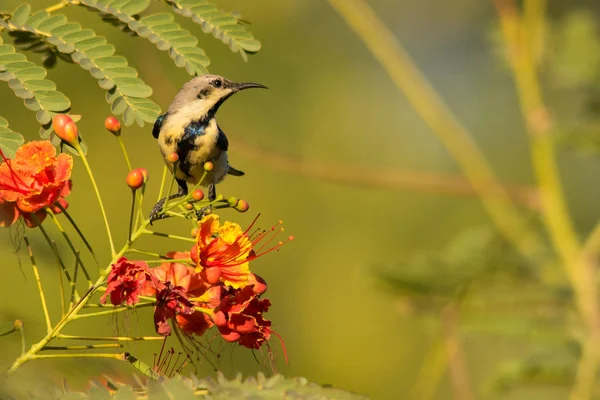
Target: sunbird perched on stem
{"points": [[190, 130]]}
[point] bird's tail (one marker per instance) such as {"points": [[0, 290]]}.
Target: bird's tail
{"points": [[235, 172]]}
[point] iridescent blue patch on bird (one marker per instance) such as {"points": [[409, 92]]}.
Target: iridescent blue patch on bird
{"points": [[187, 143], [194, 129]]}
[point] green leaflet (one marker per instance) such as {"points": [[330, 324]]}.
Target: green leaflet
{"points": [[92, 53], [160, 29], [10, 141], [28, 82], [224, 26]]}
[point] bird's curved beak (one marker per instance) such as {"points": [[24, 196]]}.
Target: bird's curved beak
{"points": [[248, 85]]}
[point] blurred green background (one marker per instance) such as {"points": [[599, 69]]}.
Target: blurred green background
{"points": [[329, 102]]}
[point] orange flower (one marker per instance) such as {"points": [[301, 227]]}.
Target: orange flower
{"points": [[223, 252], [224, 247], [36, 178], [179, 286]]}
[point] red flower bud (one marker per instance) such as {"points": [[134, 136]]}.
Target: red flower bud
{"points": [[69, 133], [59, 122], [113, 125], [198, 194], [173, 157], [189, 206], [242, 206], [208, 166], [135, 179]]}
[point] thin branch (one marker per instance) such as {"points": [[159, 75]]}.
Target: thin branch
{"points": [[579, 267], [380, 178], [84, 347], [161, 234], [110, 338], [79, 232], [19, 326], [39, 283], [54, 248], [71, 246], [111, 312], [458, 141], [100, 202], [73, 297], [162, 183], [61, 290], [459, 374], [60, 5], [120, 357]]}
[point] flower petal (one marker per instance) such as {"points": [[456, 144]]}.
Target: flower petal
{"points": [[8, 214]]}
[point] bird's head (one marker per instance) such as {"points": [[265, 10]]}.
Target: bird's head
{"points": [[203, 95]]}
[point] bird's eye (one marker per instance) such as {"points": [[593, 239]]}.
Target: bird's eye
{"points": [[217, 83]]}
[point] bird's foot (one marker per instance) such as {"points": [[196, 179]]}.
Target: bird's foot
{"points": [[203, 212], [156, 212]]}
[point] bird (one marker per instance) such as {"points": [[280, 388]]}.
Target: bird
{"points": [[190, 130]]}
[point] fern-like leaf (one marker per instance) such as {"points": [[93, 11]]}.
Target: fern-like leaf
{"points": [[225, 26], [28, 82], [10, 140], [127, 94], [159, 29]]}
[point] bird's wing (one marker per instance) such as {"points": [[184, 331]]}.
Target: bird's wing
{"points": [[222, 142], [158, 124], [235, 172]]}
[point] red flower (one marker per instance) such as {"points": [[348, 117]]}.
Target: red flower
{"points": [[34, 179], [186, 285], [126, 281], [171, 301], [239, 318]]}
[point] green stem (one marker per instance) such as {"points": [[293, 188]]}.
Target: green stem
{"points": [[84, 347], [139, 219], [54, 248], [73, 287], [97, 192], [164, 207], [79, 232], [178, 260], [71, 246], [161, 234], [72, 313], [162, 183], [39, 283], [19, 326], [120, 357], [133, 196], [58, 6], [124, 150], [111, 312], [148, 253], [580, 269], [110, 338], [61, 290]]}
